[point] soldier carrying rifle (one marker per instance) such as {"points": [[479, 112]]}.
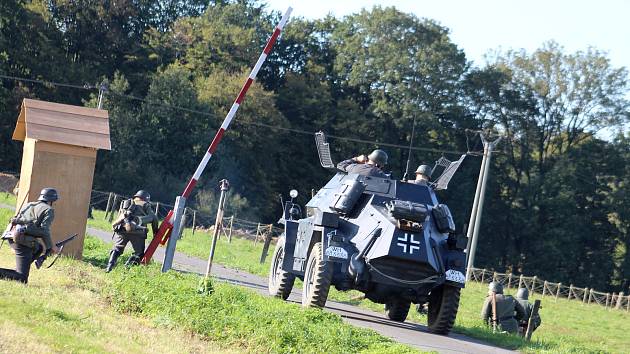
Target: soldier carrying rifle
{"points": [[502, 311], [130, 226], [28, 229]]}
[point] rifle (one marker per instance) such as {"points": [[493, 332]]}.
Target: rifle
{"points": [[61, 244], [494, 312], [7, 234]]}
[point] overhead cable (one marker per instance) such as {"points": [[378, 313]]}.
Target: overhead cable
{"points": [[208, 114]]}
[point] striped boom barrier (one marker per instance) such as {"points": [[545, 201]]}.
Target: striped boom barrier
{"points": [[164, 231]]}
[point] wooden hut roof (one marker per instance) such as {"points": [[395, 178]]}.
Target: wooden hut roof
{"points": [[64, 124]]}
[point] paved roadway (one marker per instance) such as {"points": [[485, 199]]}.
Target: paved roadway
{"points": [[409, 333]]}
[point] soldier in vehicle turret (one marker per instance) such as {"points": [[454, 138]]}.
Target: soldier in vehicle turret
{"points": [[423, 175], [370, 165], [131, 226], [502, 311]]}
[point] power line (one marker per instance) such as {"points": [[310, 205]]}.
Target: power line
{"points": [[208, 114], [48, 83]]}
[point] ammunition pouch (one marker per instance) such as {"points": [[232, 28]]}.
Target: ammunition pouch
{"points": [[19, 236]]}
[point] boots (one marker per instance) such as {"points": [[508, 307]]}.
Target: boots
{"points": [[133, 260], [113, 257]]}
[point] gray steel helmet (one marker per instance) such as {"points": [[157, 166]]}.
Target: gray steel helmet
{"points": [[522, 293], [142, 194], [424, 170], [379, 157], [48, 195], [495, 287]]}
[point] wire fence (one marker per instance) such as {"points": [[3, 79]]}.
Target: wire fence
{"points": [[618, 301], [110, 202], [198, 221]]}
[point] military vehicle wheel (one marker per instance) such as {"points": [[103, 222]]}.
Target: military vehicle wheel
{"points": [[397, 309], [317, 278], [280, 281], [443, 305]]}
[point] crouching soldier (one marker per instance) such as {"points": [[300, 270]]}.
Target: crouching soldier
{"points": [[522, 296], [502, 311], [29, 229], [131, 226]]}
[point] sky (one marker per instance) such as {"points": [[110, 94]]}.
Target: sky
{"points": [[483, 25]]}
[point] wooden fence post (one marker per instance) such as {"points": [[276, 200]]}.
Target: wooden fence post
{"points": [[544, 288], [571, 290], [257, 233], [619, 299], [608, 299], [534, 284], [483, 275], [494, 276], [111, 214], [194, 221], [265, 249], [509, 280], [520, 281], [230, 232], [109, 205], [183, 228], [157, 208], [590, 296], [558, 291], [585, 295]]}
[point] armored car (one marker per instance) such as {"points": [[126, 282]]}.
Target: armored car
{"points": [[392, 240]]}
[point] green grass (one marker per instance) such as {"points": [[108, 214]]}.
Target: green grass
{"points": [[76, 307], [7, 198], [568, 326], [62, 310]]}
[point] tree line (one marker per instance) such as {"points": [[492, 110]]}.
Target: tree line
{"points": [[557, 201]]}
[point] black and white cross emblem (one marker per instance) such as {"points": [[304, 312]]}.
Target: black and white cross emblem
{"points": [[408, 241]]}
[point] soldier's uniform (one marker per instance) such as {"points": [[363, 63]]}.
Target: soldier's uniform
{"points": [[509, 311], [131, 226], [379, 157], [522, 297], [35, 218]]}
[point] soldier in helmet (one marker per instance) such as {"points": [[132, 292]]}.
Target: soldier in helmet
{"points": [[522, 296], [508, 310], [31, 228], [131, 226], [370, 165], [423, 174]]}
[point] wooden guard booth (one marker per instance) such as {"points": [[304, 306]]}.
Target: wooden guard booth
{"points": [[60, 144]]}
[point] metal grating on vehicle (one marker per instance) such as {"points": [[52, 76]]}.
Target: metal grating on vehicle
{"points": [[323, 149]]}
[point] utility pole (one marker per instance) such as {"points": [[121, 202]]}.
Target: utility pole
{"points": [[475, 215], [225, 185], [101, 91]]}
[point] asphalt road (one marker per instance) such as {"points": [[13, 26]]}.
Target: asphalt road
{"points": [[408, 333]]}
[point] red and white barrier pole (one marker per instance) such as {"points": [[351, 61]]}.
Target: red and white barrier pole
{"points": [[167, 224]]}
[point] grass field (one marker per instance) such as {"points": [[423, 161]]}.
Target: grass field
{"points": [[76, 307], [568, 326]]}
